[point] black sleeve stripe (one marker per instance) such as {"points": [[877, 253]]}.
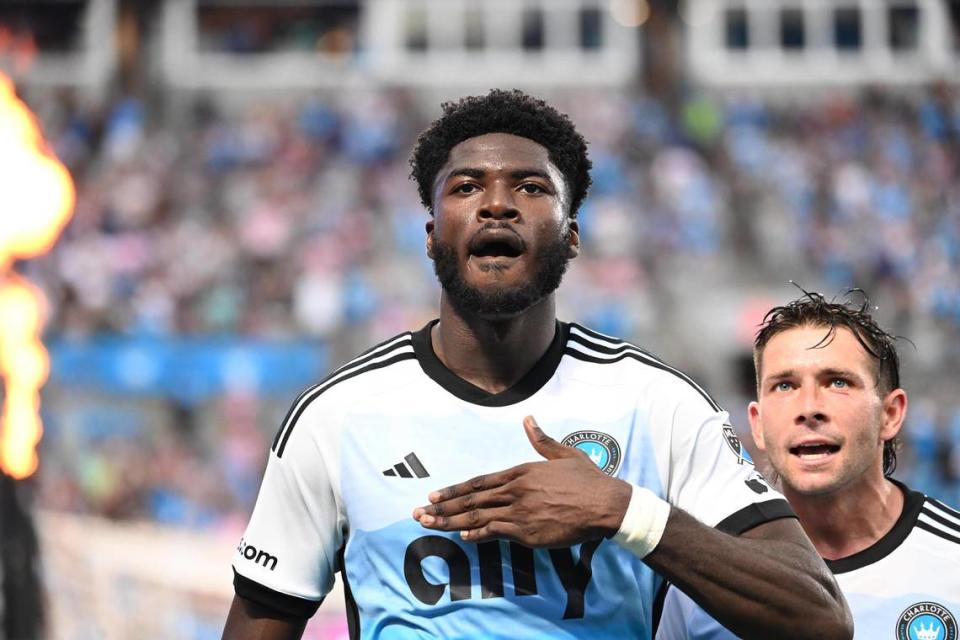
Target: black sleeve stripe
{"points": [[381, 349], [936, 531], [579, 355], [285, 605], [646, 356], [942, 507], [286, 418], [952, 527], [407, 355], [755, 514], [604, 348], [388, 342], [599, 338]]}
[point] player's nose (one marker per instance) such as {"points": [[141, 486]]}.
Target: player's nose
{"points": [[497, 203], [810, 409]]}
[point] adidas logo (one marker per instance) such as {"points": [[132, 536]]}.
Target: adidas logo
{"points": [[403, 471]]}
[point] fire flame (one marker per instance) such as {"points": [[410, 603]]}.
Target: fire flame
{"points": [[38, 197]]}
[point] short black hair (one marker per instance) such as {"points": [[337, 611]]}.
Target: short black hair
{"points": [[813, 310], [501, 111]]}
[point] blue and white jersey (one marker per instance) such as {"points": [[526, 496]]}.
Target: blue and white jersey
{"points": [[361, 449], [906, 586]]}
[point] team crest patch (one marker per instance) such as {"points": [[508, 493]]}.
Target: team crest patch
{"points": [[926, 621], [733, 441], [602, 449]]}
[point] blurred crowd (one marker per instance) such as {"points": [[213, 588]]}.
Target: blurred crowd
{"points": [[291, 217]]}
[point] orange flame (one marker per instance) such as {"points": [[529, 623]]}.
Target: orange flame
{"points": [[37, 201]]}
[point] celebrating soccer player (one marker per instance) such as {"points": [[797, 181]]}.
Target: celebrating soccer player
{"points": [[829, 408], [562, 526]]}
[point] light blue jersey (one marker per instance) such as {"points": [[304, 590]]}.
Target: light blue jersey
{"points": [[360, 450], [904, 587]]}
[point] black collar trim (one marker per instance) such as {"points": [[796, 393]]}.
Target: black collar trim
{"points": [[912, 503], [528, 385]]}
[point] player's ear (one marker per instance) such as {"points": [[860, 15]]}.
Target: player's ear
{"points": [[573, 246], [756, 429], [429, 228], [894, 412]]}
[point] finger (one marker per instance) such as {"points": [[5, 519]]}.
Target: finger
{"points": [[544, 444], [463, 504], [495, 530], [473, 519], [473, 485]]}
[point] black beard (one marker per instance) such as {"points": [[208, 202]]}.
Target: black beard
{"points": [[551, 263]]}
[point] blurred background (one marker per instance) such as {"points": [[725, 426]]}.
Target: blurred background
{"points": [[237, 220]]}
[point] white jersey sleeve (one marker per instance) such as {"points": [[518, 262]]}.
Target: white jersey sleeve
{"points": [[706, 470], [288, 554]]}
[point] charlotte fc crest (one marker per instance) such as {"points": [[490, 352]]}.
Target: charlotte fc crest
{"points": [[926, 621], [601, 447]]}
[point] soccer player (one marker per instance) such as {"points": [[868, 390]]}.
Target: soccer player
{"points": [[630, 471], [828, 412]]}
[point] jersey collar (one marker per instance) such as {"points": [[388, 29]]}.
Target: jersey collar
{"points": [[912, 503], [528, 385]]}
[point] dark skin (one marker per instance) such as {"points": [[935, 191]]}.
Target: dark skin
{"points": [[767, 583], [248, 620], [497, 178]]}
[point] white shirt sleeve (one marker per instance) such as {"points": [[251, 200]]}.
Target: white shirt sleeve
{"points": [[706, 470], [288, 554]]}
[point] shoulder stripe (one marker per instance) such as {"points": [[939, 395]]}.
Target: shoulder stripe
{"points": [[603, 348], [371, 353], [937, 532], [399, 357], [580, 355], [600, 338], [595, 341], [947, 511], [596, 335], [400, 337], [946, 523], [364, 363]]}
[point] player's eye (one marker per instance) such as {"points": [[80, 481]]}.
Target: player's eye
{"points": [[466, 188], [839, 383], [782, 386], [531, 188]]}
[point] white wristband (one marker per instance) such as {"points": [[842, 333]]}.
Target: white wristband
{"points": [[643, 523]]}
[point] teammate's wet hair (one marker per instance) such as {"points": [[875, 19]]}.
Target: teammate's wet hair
{"points": [[813, 310], [500, 111]]}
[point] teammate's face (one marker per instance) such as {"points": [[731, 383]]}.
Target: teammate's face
{"points": [[819, 415], [501, 235]]}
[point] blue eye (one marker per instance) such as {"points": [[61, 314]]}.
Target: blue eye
{"points": [[782, 386], [839, 383]]}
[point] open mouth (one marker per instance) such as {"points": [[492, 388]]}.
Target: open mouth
{"points": [[496, 243], [497, 250], [817, 451]]}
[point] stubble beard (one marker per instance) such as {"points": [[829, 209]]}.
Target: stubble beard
{"points": [[551, 263]]}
